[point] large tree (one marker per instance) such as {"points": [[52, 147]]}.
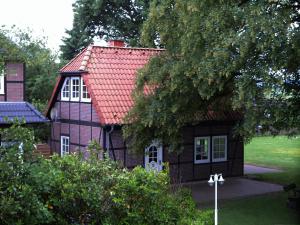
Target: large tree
{"points": [[121, 19], [220, 55]]}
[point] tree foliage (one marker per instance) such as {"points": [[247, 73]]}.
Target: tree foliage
{"points": [[41, 67], [220, 55], [105, 19]]}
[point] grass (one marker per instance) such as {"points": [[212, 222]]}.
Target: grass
{"points": [[279, 152], [260, 210]]}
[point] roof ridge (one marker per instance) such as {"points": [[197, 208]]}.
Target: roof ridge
{"points": [[131, 48], [72, 60], [38, 113], [86, 58]]}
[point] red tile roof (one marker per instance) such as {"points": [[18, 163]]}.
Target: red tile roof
{"points": [[109, 73], [111, 79], [75, 63]]}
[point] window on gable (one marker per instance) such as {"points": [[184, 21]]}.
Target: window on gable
{"points": [[202, 150], [75, 88], [65, 93], [85, 96], [64, 145], [219, 148], [12, 71]]}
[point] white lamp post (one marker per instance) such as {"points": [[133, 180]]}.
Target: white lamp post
{"points": [[213, 180]]}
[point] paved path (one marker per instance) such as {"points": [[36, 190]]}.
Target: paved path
{"points": [[251, 169], [232, 188]]}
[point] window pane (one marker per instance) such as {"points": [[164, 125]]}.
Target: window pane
{"points": [[85, 95], [222, 154], [201, 150], [152, 154], [219, 147], [66, 89], [222, 141], [65, 146], [75, 88]]}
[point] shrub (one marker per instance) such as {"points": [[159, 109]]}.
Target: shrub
{"points": [[143, 197], [74, 190]]}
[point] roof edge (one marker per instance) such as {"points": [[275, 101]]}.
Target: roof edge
{"points": [[73, 59], [133, 48]]}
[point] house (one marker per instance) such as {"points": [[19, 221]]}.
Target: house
{"points": [[12, 95], [92, 96]]}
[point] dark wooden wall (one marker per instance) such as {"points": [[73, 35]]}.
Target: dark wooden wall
{"points": [[182, 166]]}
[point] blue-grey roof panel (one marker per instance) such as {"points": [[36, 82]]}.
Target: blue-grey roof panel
{"points": [[10, 111]]}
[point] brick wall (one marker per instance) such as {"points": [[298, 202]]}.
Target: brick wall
{"points": [[14, 83]]}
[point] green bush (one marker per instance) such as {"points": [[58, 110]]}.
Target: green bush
{"points": [[74, 190]]}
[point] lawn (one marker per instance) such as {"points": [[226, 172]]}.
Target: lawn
{"points": [[279, 152], [261, 210]]}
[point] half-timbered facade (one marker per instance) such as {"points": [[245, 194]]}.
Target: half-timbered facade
{"points": [[92, 96]]}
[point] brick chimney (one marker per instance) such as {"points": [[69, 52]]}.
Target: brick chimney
{"points": [[116, 43], [12, 88]]}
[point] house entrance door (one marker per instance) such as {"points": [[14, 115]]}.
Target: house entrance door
{"points": [[153, 157]]}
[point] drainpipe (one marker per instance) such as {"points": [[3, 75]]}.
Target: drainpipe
{"points": [[107, 141]]}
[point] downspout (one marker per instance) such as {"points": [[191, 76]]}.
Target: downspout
{"points": [[108, 140]]}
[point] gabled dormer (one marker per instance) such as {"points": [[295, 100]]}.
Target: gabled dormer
{"points": [[12, 85]]}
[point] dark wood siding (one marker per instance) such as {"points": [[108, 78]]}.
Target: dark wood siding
{"points": [[182, 166]]}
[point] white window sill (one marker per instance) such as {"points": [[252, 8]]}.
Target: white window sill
{"points": [[85, 100], [65, 99], [219, 160], [201, 161]]}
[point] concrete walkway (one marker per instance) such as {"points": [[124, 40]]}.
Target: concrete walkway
{"points": [[251, 169], [232, 188]]}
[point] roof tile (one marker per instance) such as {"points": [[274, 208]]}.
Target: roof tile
{"points": [[20, 110], [109, 74]]}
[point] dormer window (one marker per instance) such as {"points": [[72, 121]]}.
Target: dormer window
{"points": [[85, 96], [65, 93], [75, 88]]}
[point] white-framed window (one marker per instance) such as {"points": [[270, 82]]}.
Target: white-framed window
{"points": [[1, 82], [75, 84], [85, 96], [219, 148], [64, 145], [65, 91], [202, 150]]}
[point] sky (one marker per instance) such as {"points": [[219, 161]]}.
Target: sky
{"points": [[48, 18]]}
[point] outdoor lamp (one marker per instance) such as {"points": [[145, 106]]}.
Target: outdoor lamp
{"points": [[213, 180], [221, 180]]}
